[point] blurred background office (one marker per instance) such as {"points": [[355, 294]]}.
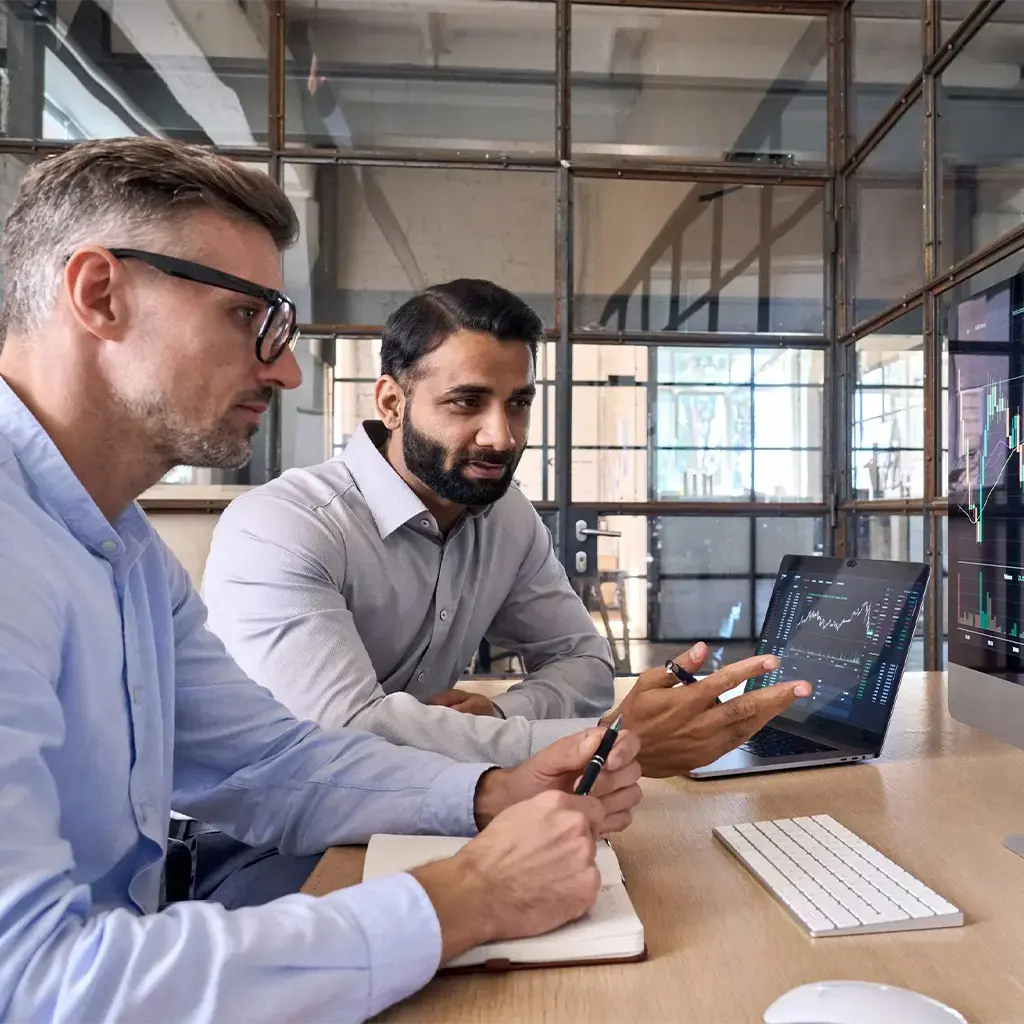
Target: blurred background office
{"points": [[743, 224]]}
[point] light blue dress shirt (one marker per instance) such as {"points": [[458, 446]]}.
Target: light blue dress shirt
{"points": [[115, 702]]}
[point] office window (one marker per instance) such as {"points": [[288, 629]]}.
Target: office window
{"points": [[887, 241], [677, 579], [191, 71], [899, 538], [887, 52], [382, 75], [681, 256], [357, 367], [698, 423], [703, 85], [982, 174], [888, 411], [381, 234], [888, 537]]}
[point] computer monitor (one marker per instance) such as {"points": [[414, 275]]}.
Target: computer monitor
{"points": [[985, 606]]}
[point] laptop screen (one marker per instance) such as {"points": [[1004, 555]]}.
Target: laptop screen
{"points": [[844, 625]]}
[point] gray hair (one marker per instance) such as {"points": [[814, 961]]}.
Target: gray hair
{"points": [[120, 192]]}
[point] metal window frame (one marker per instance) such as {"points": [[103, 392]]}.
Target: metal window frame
{"points": [[839, 334]]}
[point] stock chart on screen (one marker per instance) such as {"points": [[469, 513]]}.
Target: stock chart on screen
{"points": [[845, 634], [986, 481]]}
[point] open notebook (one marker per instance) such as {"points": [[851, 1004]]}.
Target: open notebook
{"points": [[609, 932]]}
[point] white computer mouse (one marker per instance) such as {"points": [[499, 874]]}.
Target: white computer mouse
{"points": [[857, 1002]]}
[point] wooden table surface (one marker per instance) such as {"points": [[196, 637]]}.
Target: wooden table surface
{"points": [[938, 802]]}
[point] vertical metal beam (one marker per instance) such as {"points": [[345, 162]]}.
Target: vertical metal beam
{"points": [[715, 269], [933, 483], [931, 341], [564, 278], [764, 262], [931, 27], [275, 139], [677, 280], [834, 431], [276, 77], [26, 56]]}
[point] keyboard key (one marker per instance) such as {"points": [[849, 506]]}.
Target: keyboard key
{"points": [[771, 742], [832, 881]]}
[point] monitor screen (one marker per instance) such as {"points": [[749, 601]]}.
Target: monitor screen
{"points": [[985, 616], [846, 627]]}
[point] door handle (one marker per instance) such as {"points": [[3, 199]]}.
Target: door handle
{"points": [[583, 531]]}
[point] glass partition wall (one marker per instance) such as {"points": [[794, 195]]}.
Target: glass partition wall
{"points": [[741, 223]]}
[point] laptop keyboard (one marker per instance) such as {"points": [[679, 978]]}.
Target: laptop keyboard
{"points": [[769, 742]]}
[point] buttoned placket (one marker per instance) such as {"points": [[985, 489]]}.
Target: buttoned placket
{"points": [[446, 594], [138, 709]]}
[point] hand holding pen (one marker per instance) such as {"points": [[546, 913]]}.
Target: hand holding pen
{"points": [[685, 727], [593, 769]]}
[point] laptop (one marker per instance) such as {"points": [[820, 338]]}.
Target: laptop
{"points": [[845, 625]]}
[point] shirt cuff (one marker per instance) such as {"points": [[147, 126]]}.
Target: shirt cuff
{"points": [[449, 808], [402, 934], [547, 730], [514, 703]]}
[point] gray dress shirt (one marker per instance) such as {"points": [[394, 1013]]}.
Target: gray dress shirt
{"points": [[333, 587]]}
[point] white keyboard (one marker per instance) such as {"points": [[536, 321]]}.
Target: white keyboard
{"points": [[833, 882]]}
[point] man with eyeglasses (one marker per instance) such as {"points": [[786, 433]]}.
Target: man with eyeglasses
{"points": [[143, 328]]}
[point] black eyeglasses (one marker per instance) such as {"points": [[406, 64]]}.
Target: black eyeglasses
{"points": [[276, 333]]}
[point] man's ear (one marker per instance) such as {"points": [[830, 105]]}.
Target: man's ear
{"points": [[96, 287], [389, 399]]}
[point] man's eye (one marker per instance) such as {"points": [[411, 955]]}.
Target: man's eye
{"points": [[522, 403], [466, 403], [247, 314]]}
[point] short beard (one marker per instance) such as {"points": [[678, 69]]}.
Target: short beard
{"points": [[428, 461], [178, 443]]}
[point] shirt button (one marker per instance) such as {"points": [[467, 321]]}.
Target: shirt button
{"points": [[444, 614], [425, 522], [136, 695], [108, 546], [421, 676]]}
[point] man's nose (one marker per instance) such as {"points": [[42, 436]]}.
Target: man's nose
{"points": [[284, 372]]}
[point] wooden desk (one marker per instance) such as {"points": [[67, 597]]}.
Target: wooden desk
{"points": [[721, 949]]}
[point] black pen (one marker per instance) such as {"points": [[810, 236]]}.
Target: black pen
{"points": [[593, 769], [686, 678]]}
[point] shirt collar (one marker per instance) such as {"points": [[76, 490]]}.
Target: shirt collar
{"points": [[391, 501], [60, 490]]}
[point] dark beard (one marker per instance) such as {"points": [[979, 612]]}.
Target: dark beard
{"points": [[428, 460]]}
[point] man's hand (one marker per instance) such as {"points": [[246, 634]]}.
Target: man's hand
{"points": [[532, 869], [466, 702], [558, 767], [681, 727]]}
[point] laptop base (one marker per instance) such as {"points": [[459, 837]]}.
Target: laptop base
{"points": [[742, 762]]}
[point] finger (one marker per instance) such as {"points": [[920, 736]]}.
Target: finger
{"points": [[449, 698], [625, 751], [609, 782], [572, 753], [622, 799], [593, 809], [693, 659], [661, 677], [753, 710], [617, 822], [733, 675]]}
